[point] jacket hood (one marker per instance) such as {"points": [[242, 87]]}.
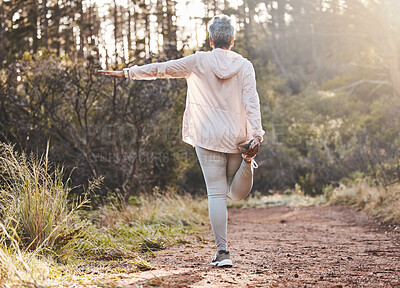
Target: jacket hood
{"points": [[225, 63]]}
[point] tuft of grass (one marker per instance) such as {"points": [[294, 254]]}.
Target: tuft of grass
{"points": [[142, 264], [19, 268], [37, 219], [149, 244], [382, 202], [34, 200]]}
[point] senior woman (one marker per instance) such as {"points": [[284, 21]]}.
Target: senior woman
{"points": [[222, 120]]}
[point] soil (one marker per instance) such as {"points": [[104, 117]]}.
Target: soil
{"points": [[327, 246]]}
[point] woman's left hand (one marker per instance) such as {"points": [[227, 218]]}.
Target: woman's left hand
{"points": [[256, 142]]}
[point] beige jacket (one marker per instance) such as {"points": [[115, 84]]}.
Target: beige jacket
{"points": [[222, 103]]}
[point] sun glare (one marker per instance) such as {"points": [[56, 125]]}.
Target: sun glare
{"points": [[191, 29], [189, 20]]}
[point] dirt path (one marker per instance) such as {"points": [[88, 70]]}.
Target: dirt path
{"points": [[286, 247]]}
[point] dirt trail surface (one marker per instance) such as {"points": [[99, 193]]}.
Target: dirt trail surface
{"points": [[286, 247]]}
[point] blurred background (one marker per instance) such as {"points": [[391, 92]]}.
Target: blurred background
{"points": [[328, 76]]}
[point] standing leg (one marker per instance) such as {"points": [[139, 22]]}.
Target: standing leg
{"points": [[213, 165], [240, 177]]}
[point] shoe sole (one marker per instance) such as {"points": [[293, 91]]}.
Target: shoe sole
{"points": [[223, 263]]}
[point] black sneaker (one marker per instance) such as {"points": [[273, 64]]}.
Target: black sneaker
{"points": [[222, 259]]}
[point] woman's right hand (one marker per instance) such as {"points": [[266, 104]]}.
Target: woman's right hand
{"points": [[116, 74], [256, 142]]}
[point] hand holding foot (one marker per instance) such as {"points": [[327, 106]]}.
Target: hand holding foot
{"points": [[250, 149]]}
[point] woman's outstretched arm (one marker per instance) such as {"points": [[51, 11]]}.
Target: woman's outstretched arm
{"points": [[179, 68]]}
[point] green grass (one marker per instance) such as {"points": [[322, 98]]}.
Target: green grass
{"points": [[46, 239], [158, 221], [124, 239]]}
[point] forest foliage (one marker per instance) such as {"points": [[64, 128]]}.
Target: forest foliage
{"points": [[328, 76]]}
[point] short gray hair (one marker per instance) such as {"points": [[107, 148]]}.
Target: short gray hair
{"points": [[221, 31]]}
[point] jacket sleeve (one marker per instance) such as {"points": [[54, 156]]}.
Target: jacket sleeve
{"points": [[251, 102], [179, 68]]}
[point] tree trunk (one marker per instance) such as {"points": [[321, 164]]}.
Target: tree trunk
{"points": [[215, 7], [81, 30], [116, 29], [148, 32], [129, 31], [2, 35], [44, 25]]}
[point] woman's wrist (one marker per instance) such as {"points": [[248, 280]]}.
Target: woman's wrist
{"points": [[126, 72]]}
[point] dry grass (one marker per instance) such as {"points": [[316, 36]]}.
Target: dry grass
{"points": [[291, 198], [161, 207], [378, 201], [37, 219], [121, 242], [46, 241], [34, 199]]}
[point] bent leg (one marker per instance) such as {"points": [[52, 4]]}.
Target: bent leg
{"points": [[242, 181], [213, 164], [234, 161]]}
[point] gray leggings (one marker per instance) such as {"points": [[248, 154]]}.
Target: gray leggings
{"points": [[226, 175]]}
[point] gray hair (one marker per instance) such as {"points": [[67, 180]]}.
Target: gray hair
{"points": [[221, 31]]}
